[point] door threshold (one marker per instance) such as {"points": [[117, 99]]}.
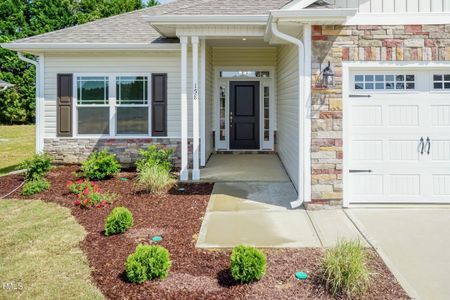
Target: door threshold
{"points": [[245, 152]]}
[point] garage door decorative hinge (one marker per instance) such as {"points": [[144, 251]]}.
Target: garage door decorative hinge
{"points": [[360, 171], [360, 96]]}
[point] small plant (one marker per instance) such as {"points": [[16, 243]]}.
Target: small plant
{"points": [[148, 263], [155, 179], [89, 194], [344, 269], [247, 264], [35, 186], [100, 165], [118, 221], [37, 166], [154, 156]]}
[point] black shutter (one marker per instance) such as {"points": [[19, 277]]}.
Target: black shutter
{"points": [[159, 104], [64, 105]]}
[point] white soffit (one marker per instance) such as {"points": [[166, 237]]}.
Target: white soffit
{"points": [[171, 25]]}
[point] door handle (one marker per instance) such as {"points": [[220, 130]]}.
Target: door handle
{"points": [[422, 145], [429, 145]]}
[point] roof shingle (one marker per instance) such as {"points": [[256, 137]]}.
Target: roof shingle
{"points": [[132, 28]]}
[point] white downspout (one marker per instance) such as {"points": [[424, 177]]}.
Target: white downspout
{"points": [[301, 111], [39, 99]]}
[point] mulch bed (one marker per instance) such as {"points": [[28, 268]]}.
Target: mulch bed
{"points": [[195, 273]]}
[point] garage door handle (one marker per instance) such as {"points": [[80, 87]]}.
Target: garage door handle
{"points": [[429, 145], [360, 171], [422, 145]]}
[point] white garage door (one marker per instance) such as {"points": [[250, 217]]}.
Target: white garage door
{"points": [[397, 137]]}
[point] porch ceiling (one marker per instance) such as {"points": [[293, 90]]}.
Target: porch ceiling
{"points": [[240, 42]]}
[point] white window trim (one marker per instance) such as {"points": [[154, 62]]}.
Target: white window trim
{"points": [[264, 81], [112, 107]]}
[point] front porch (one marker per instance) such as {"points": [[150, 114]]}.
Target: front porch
{"points": [[244, 168]]}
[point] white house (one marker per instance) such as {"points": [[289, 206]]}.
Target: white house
{"points": [[353, 95]]}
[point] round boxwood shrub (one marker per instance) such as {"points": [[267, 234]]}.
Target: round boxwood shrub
{"points": [[247, 264], [118, 221], [148, 263]]}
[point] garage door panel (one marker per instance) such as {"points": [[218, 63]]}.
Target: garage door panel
{"points": [[367, 150], [404, 150], [367, 184], [440, 150], [440, 115], [364, 115], [441, 185], [403, 115], [405, 184]]}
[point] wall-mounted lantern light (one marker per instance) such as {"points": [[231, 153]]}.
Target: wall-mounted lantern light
{"points": [[328, 76]]}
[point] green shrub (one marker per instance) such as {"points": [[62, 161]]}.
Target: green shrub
{"points": [[35, 186], [344, 269], [118, 221], [247, 264], [148, 263], [155, 179], [100, 165], [154, 156], [37, 166]]}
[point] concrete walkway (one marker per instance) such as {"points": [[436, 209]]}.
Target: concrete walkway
{"points": [[259, 214], [415, 245]]}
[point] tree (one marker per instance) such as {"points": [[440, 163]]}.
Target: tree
{"points": [[24, 18], [152, 3]]}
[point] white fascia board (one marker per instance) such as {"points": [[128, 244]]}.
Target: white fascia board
{"points": [[399, 18], [89, 46], [207, 19]]}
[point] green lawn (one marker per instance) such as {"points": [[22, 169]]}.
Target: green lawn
{"points": [[17, 142], [40, 255]]}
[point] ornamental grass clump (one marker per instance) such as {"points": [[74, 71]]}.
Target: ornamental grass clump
{"points": [[247, 264], [344, 269], [100, 165], [148, 263], [155, 179], [89, 194], [118, 221]]}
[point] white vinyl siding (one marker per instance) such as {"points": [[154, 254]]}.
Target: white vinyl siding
{"points": [[244, 57], [209, 102], [124, 62], [398, 6], [287, 110]]}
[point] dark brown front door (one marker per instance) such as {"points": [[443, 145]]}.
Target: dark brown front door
{"points": [[244, 115]]}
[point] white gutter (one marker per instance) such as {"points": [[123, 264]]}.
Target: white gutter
{"points": [[39, 99], [301, 111], [91, 46]]}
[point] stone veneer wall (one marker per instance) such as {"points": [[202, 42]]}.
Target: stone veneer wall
{"points": [[357, 43], [76, 150]]}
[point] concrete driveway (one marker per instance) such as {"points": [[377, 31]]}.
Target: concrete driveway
{"points": [[414, 243]]}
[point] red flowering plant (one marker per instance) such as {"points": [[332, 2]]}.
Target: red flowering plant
{"points": [[89, 194]]}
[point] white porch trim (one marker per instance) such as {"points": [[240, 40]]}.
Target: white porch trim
{"points": [[202, 102], [184, 174]]}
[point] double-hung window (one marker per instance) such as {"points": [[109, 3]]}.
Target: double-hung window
{"points": [[93, 105], [113, 105], [132, 105]]}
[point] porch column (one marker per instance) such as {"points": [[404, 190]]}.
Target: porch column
{"points": [[184, 174], [195, 111]]}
